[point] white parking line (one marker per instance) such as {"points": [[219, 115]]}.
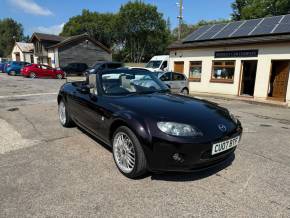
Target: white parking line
{"points": [[11, 139], [28, 95]]}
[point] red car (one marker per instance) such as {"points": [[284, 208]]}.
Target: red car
{"points": [[40, 70]]}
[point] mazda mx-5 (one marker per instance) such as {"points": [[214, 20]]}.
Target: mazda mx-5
{"points": [[149, 128]]}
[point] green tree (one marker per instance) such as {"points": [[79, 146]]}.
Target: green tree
{"points": [[10, 31], [99, 26], [250, 9], [142, 31]]}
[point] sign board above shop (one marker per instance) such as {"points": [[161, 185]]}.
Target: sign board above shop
{"points": [[236, 54]]}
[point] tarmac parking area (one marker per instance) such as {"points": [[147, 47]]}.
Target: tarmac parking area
{"points": [[47, 170]]}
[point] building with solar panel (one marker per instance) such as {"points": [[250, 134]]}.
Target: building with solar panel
{"points": [[246, 58]]}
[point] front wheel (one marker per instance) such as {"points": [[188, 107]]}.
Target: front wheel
{"points": [[128, 153], [59, 76], [185, 91]]}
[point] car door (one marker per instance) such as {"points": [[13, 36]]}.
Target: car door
{"points": [[44, 71], [37, 70], [88, 112], [51, 72], [167, 79], [178, 82]]}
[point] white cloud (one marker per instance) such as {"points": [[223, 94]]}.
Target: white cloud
{"points": [[31, 7], [55, 29]]}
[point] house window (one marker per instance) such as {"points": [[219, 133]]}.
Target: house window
{"points": [[195, 69], [223, 71]]}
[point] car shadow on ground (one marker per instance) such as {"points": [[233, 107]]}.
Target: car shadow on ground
{"points": [[173, 176], [107, 147], [193, 176]]}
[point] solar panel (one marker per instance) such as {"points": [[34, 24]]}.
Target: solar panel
{"points": [[266, 26], [284, 26], [196, 33], [247, 28], [255, 27], [211, 32], [228, 30], [286, 19]]}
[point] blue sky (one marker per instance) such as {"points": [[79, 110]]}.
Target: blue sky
{"points": [[50, 15]]}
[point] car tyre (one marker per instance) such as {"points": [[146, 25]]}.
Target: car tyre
{"points": [[32, 75], [185, 91], [59, 76], [135, 168], [64, 116]]}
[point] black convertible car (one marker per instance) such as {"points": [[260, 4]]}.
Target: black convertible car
{"points": [[147, 127]]}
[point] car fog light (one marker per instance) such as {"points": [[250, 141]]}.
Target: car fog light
{"points": [[178, 157]]}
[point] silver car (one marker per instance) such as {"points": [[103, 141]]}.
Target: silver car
{"points": [[177, 82]]}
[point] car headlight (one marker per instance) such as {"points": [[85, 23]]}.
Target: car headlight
{"points": [[233, 117], [178, 129]]}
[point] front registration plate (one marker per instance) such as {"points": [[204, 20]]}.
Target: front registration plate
{"points": [[225, 145]]}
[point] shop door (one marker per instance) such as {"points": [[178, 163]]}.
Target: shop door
{"points": [[249, 70], [179, 66], [279, 80]]}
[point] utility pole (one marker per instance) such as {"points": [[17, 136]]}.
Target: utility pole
{"points": [[180, 17]]}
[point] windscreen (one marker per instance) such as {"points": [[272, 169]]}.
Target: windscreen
{"points": [[153, 64], [131, 82]]}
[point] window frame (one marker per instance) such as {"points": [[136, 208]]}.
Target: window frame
{"points": [[223, 65], [170, 77], [179, 74], [192, 79]]}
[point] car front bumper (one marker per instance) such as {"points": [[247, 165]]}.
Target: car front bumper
{"points": [[187, 157]]}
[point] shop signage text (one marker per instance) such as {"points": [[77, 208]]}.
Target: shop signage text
{"points": [[236, 54]]}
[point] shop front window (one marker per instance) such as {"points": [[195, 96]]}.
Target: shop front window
{"points": [[223, 71], [195, 69]]}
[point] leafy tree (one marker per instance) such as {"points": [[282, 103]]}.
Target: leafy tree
{"points": [[142, 31], [99, 26], [10, 31], [250, 9]]}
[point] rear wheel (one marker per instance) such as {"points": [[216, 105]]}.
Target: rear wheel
{"points": [[32, 75], [185, 91], [128, 153], [63, 114]]}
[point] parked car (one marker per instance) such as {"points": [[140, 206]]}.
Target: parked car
{"points": [[75, 68], [6, 65], [103, 65], [2, 65], [148, 128], [13, 68], [40, 70], [177, 82]]}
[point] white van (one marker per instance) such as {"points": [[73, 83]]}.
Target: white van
{"points": [[158, 63]]}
